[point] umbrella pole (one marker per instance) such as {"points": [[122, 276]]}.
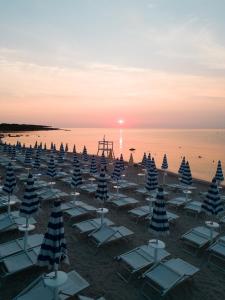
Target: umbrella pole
{"points": [[26, 234], [9, 209]]}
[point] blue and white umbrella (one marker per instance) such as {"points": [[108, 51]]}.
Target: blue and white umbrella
{"points": [[27, 159], [37, 163], [154, 166], [93, 167], [144, 160], [116, 175], [76, 177], [182, 166], [53, 249], [152, 182], [219, 172], [29, 205], [186, 178], [13, 153], [74, 149], [84, 154], [75, 158], [51, 168], [102, 188], [164, 167], [213, 204], [148, 162], [122, 165], [103, 162], [10, 183]]}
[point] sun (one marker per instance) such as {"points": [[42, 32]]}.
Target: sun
{"points": [[120, 121]]}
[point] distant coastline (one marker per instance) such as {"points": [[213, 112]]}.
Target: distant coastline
{"points": [[9, 128]]}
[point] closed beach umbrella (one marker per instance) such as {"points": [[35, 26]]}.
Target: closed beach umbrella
{"points": [[51, 168], [29, 205], [53, 249], [10, 183], [74, 149], [9, 150], [144, 160], [66, 148], [116, 175], [122, 165], [93, 168], [27, 159], [74, 158], [154, 166], [76, 177], [84, 154], [102, 188], [103, 162], [186, 178], [131, 160], [219, 172], [152, 182], [61, 157], [37, 163], [13, 153], [213, 204], [148, 162], [182, 166], [164, 167]]}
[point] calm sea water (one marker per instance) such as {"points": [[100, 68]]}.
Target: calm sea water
{"points": [[203, 148]]}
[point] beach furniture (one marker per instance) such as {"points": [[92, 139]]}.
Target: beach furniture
{"points": [[124, 184], [89, 188], [4, 201], [199, 237], [217, 250], [165, 276], [19, 262], [79, 210], [140, 212], [50, 194], [38, 290], [12, 221], [138, 259], [178, 202], [17, 245], [194, 207], [106, 235], [85, 227], [123, 202]]}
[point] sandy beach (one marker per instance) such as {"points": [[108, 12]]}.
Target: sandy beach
{"points": [[100, 269]]}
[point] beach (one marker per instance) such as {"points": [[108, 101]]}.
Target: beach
{"points": [[100, 268]]}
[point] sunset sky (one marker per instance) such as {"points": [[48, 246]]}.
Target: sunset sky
{"points": [[90, 63]]}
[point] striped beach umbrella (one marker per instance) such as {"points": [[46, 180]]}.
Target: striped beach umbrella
{"points": [[53, 249], [74, 149], [219, 172], [84, 154], [93, 167], [27, 159], [164, 163], [148, 162], [154, 166], [122, 165], [10, 183], [35, 145], [9, 150], [212, 204], [186, 178], [102, 188], [75, 158], [60, 157], [182, 166], [13, 153], [51, 168], [159, 221], [76, 177], [29, 205], [37, 163], [144, 160], [45, 147], [116, 175], [103, 162], [131, 160], [151, 182]]}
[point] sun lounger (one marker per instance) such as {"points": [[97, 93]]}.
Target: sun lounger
{"points": [[167, 275], [138, 259], [79, 210], [4, 201], [105, 234], [198, 237], [178, 202], [124, 202], [124, 184], [89, 188], [194, 207], [88, 226], [19, 262], [15, 246], [217, 250], [38, 290], [7, 223], [50, 194], [140, 212]]}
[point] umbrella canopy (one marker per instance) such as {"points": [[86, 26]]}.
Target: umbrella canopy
{"points": [[75, 158], [13, 153], [164, 163], [93, 167], [212, 204], [159, 221], [27, 159], [51, 167], [66, 148], [53, 249], [152, 182], [122, 165], [103, 162], [186, 178], [182, 166], [10, 180], [116, 175], [131, 160], [76, 177], [219, 172], [74, 149], [45, 146], [37, 163], [102, 188], [84, 154], [148, 162], [30, 203], [154, 166]]}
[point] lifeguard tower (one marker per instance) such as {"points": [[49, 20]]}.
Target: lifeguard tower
{"points": [[106, 147]]}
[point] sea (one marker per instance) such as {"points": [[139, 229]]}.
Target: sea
{"points": [[201, 147]]}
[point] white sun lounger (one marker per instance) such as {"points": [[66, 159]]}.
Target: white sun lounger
{"points": [[178, 202], [105, 234], [167, 275], [88, 226], [138, 259], [124, 202], [19, 262], [140, 212], [198, 237], [194, 207], [50, 194], [7, 223], [81, 209], [15, 246], [38, 290], [217, 250], [89, 188]]}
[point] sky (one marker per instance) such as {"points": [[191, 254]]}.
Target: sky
{"points": [[90, 63]]}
